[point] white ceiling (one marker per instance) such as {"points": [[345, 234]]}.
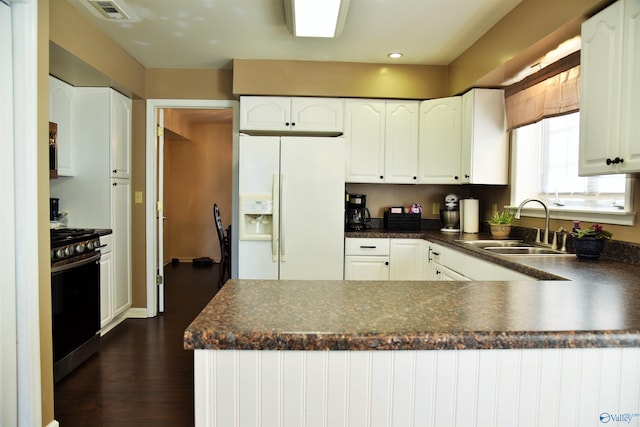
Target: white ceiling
{"points": [[210, 33]]}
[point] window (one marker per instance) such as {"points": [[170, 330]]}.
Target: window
{"points": [[545, 167]]}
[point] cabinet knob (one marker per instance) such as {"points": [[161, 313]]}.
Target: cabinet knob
{"points": [[381, 177], [293, 123], [386, 263], [466, 176], [115, 184], [456, 177], [287, 124], [115, 171], [415, 177], [615, 161]]}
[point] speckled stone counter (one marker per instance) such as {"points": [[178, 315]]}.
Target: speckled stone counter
{"points": [[369, 315]]}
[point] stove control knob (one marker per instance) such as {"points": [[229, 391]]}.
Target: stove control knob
{"points": [[59, 253], [80, 248], [92, 245], [68, 251]]}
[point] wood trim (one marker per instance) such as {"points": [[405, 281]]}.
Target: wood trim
{"points": [[556, 68]]}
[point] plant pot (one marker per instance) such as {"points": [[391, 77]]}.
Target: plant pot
{"points": [[500, 231], [588, 247]]}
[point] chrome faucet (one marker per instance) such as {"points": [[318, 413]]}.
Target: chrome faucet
{"points": [[546, 220]]}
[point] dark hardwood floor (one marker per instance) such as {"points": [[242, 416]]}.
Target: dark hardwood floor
{"points": [[141, 376]]}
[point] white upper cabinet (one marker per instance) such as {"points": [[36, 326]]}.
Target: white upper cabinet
{"points": [[382, 140], [485, 144], [286, 115], [630, 114], [61, 112], [120, 135], [364, 131], [610, 91], [401, 142], [440, 139]]}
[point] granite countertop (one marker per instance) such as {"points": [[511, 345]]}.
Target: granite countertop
{"points": [[575, 304], [373, 315]]}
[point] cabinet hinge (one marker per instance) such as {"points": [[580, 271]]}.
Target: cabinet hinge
{"points": [[160, 131], [158, 280]]}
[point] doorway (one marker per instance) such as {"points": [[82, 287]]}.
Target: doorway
{"points": [[204, 113]]}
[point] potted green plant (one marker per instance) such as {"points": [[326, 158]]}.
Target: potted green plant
{"points": [[589, 242], [500, 223]]}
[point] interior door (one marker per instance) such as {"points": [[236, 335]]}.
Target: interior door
{"points": [[160, 212]]}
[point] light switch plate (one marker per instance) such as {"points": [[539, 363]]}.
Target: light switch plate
{"points": [[138, 197], [435, 208]]}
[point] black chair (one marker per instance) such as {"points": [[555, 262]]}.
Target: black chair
{"points": [[225, 247]]}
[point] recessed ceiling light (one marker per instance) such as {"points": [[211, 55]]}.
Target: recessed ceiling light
{"points": [[395, 55]]}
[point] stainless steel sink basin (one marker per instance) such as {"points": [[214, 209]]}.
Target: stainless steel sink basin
{"points": [[510, 247], [492, 243], [523, 250]]}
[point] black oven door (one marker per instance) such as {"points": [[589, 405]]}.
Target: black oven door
{"points": [[75, 299]]}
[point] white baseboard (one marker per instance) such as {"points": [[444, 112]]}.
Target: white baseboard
{"points": [[137, 313], [53, 423]]}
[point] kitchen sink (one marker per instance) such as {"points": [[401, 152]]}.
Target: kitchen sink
{"points": [[523, 250], [492, 243], [510, 247]]}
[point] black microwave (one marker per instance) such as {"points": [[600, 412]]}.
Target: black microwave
{"points": [[53, 150]]}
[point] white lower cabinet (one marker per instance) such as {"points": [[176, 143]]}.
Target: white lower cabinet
{"points": [[366, 259], [417, 259], [443, 263], [405, 256], [106, 280], [121, 225]]}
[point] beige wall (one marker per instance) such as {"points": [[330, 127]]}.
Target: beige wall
{"points": [[341, 79], [44, 266], [198, 174], [523, 36]]}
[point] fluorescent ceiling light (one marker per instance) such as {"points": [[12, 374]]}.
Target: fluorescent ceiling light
{"points": [[315, 18], [395, 55]]}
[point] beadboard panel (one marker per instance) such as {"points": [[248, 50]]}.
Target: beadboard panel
{"points": [[550, 387]]}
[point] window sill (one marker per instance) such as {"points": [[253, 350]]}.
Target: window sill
{"points": [[586, 215]]}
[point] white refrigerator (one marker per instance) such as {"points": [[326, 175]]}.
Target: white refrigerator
{"points": [[291, 223]]}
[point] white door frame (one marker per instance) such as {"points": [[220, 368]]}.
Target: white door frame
{"points": [[153, 105], [20, 260]]}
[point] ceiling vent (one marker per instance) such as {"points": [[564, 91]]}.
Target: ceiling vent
{"points": [[109, 9]]}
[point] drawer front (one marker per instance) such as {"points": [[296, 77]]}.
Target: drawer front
{"points": [[106, 242], [366, 246]]}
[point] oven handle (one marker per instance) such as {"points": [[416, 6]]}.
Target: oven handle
{"points": [[71, 265]]}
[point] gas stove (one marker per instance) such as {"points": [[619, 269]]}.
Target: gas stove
{"points": [[70, 244]]}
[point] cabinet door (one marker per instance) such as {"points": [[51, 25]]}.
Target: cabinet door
{"points": [[106, 287], [364, 130], [265, 113], [401, 142], [630, 125], [120, 135], [440, 139], [600, 79], [405, 259], [484, 157], [61, 112], [324, 115], [121, 226], [366, 268]]}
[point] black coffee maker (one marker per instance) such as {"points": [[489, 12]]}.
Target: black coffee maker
{"points": [[356, 213]]}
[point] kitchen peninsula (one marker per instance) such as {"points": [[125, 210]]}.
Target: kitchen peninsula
{"points": [[344, 353]]}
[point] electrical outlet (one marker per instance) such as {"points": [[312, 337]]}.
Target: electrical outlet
{"points": [[435, 208], [138, 196]]}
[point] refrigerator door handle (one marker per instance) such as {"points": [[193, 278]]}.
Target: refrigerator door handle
{"points": [[283, 194], [275, 233]]}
